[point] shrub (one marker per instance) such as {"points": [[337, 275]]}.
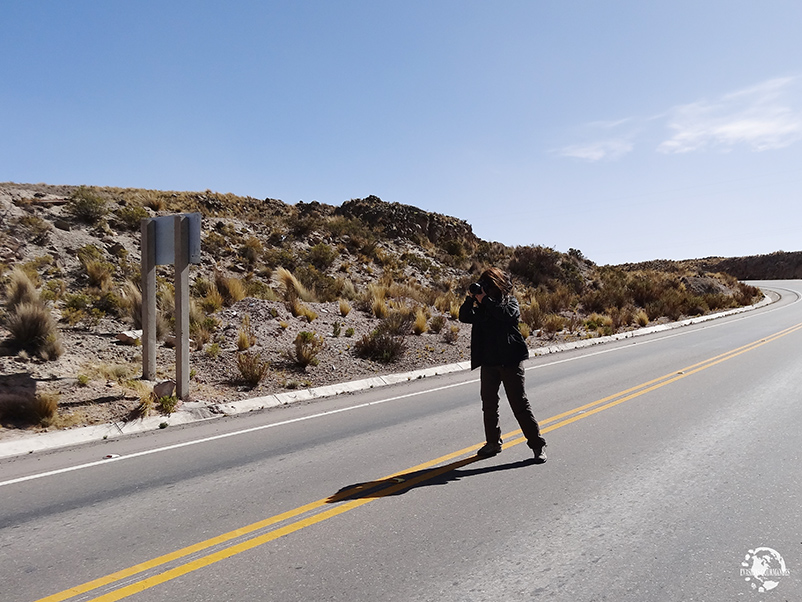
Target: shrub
{"points": [[280, 257], [398, 322], [524, 328], [336, 329], [252, 368], [306, 348], [201, 326], [251, 250], [539, 265], [37, 229], [167, 404], [451, 335], [217, 244], [436, 324], [144, 408], [41, 408], [621, 317], [349, 332], [596, 321], [33, 330], [259, 290], [325, 287], [641, 318], [213, 301], [44, 408], [321, 256], [443, 303], [380, 347], [213, 350], [130, 217], [531, 314], [552, 324], [345, 307], [373, 300], [54, 290], [379, 308], [86, 206]]}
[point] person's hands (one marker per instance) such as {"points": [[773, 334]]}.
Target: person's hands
{"points": [[479, 297]]}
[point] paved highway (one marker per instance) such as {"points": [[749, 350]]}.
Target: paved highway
{"points": [[673, 474]]}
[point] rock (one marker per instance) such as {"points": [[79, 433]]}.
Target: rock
{"points": [[163, 389], [129, 337], [62, 225]]}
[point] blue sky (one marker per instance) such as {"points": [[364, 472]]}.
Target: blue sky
{"points": [[629, 130]]}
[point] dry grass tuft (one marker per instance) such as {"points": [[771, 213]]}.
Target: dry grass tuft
{"points": [[231, 289], [20, 289], [131, 303], [33, 330], [437, 323], [100, 274], [451, 335], [252, 368], [419, 326], [307, 346], [246, 337], [552, 324], [301, 310], [293, 289], [40, 408]]}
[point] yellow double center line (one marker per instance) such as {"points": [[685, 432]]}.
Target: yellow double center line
{"points": [[356, 496]]}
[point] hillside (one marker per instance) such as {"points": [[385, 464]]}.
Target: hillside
{"points": [[374, 285]]}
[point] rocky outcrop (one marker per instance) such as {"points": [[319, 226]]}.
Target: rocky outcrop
{"points": [[395, 220]]}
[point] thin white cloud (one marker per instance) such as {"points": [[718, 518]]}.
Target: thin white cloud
{"points": [[597, 151], [763, 117]]}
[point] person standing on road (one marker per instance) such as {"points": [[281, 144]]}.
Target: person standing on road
{"points": [[499, 349]]}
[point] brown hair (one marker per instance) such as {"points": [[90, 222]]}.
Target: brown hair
{"points": [[498, 279]]}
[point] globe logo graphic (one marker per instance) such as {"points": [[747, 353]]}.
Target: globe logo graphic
{"points": [[762, 568]]}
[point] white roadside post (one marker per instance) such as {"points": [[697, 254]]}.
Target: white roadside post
{"points": [[148, 270], [170, 239], [181, 229]]}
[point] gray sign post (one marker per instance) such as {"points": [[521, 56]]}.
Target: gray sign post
{"points": [[170, 239]]}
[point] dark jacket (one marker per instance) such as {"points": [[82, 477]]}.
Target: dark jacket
{"points": [[495, 338]]}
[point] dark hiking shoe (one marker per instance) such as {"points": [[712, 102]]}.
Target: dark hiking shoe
{"points": [[540, 455], [489, 449]]}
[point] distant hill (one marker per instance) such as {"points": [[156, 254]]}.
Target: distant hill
{"points": [[780, 265]]}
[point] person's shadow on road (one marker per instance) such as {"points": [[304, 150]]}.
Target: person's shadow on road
{"points": [[404, 482]]}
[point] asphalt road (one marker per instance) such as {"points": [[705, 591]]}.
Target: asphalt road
{"points": [[673, 459]]}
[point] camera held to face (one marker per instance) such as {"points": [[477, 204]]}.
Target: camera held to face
{"points": [[476, 288]]}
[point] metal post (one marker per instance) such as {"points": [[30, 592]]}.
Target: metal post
{"points": [[148, 269], [181, 232]]}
